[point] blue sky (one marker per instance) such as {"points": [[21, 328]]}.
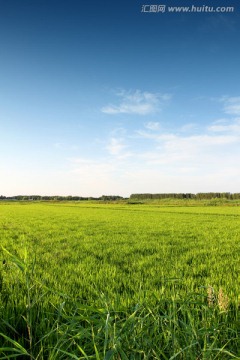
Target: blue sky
{"points": [[101, 98]]}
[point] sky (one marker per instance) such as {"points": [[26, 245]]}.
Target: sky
{"points": [[119, 97]]}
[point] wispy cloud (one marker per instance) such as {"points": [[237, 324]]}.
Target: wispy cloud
{"points": [[162, 158], [189, 127], [137, 102], [151, 125], [226, 127], [188, 151], [232, 105], [115, 146]]}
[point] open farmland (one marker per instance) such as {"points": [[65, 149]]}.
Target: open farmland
{"points": [[119, 281]]}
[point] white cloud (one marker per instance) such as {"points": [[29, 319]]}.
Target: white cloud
{"points": [[188, 127], [225, 128], [162, 162], [184, 152], [232, 105], [151, 125], [137, 102], [179, 160], [192, 156], [116, 146]]}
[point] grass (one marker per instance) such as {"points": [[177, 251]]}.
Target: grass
{"points": [[95, 281]]}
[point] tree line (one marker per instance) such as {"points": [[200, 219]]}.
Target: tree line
{"points": [[140, 196], [198, 196], [59, 198]]}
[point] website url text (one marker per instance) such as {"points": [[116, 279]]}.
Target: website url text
{"points": [[184, 9]]}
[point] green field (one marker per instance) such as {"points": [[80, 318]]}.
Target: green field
{"points": [[119, 281]]}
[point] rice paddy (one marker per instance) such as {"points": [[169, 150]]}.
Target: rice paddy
{"points": [[119, 281]]}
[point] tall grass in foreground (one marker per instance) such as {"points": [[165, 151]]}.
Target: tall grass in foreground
{"points": [[201, 326]]}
